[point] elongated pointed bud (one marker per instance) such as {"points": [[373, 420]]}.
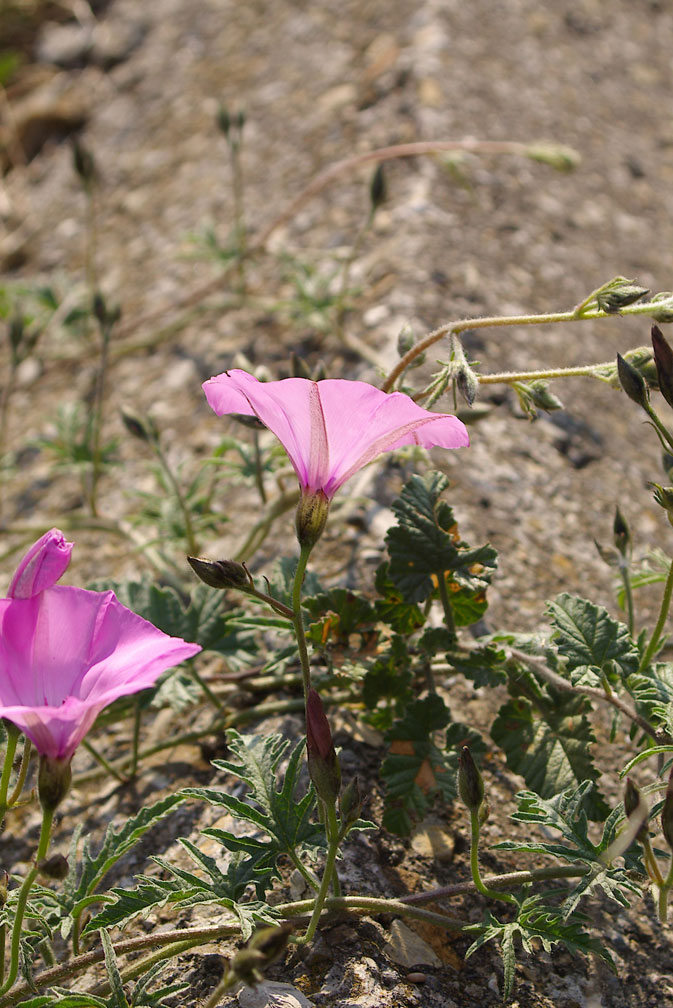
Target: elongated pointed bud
{"points": [[470, 782], [220, 573], [633, 382], [323, 765], [311, 517], [377, 188], [636, 808], [619, 295], [621, 534], [663, 358]]}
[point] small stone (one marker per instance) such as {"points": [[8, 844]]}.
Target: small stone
{"points": [[272, 994], [408, 949], [433, 841], [416, 978]]}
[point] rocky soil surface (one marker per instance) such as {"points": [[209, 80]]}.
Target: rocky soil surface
{"points": [[464, 234]]}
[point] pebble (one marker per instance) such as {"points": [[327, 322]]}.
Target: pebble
{"points": [[408, 949], [416, 978]]}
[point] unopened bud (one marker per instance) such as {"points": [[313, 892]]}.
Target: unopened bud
{"points": [[470, 782], [54, 867], [405, 341], [619, 294], [667, 813], [377, 188], [4, 887], [223, 119], [633, 382], [620, 532], [53, 782], [311, 516], [663, 358], [541, 397], [143, 428], [636, 808], [220, 573], [663, 496], [264, 948], [84, 164], [323, 765]]}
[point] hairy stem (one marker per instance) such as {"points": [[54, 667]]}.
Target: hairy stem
{"points": [[651, 649]]}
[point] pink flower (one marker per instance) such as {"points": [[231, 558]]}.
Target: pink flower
{"points": [[66, 653], [332, 428]]}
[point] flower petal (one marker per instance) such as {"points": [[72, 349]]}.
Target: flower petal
{"points": [[42, 566]]}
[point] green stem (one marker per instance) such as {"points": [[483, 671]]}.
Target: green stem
{"points": [[661, 622], [24, 893], [12, 740], [628, 594], [259, 472], [661, 429], [135, 747], [23, 772], [99, 758], [576, 315], [586, 371], [662, 903], [448, 608], [332, 830], [474, 864], [192, 544], [298, 619]]}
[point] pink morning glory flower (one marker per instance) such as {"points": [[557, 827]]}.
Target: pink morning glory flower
{"points": [[332, 428], [66, 653]]}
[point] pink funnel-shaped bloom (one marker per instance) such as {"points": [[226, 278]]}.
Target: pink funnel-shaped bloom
{"points": [[66, 653], [332, 428]]}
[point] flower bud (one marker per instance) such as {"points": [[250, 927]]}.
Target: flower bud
{"points": [[667, 813], [635, 807], [663, 358], [264, 948], [220, 573], [619, 294], [311, 516], [143, 428], [53, 782], [84, 164], [223, 119], [323, 765], [54, 867], [621, 534], [663, 496], [42, 566], [377, 188], [4, 887], [470, 782], [633, 382]]}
